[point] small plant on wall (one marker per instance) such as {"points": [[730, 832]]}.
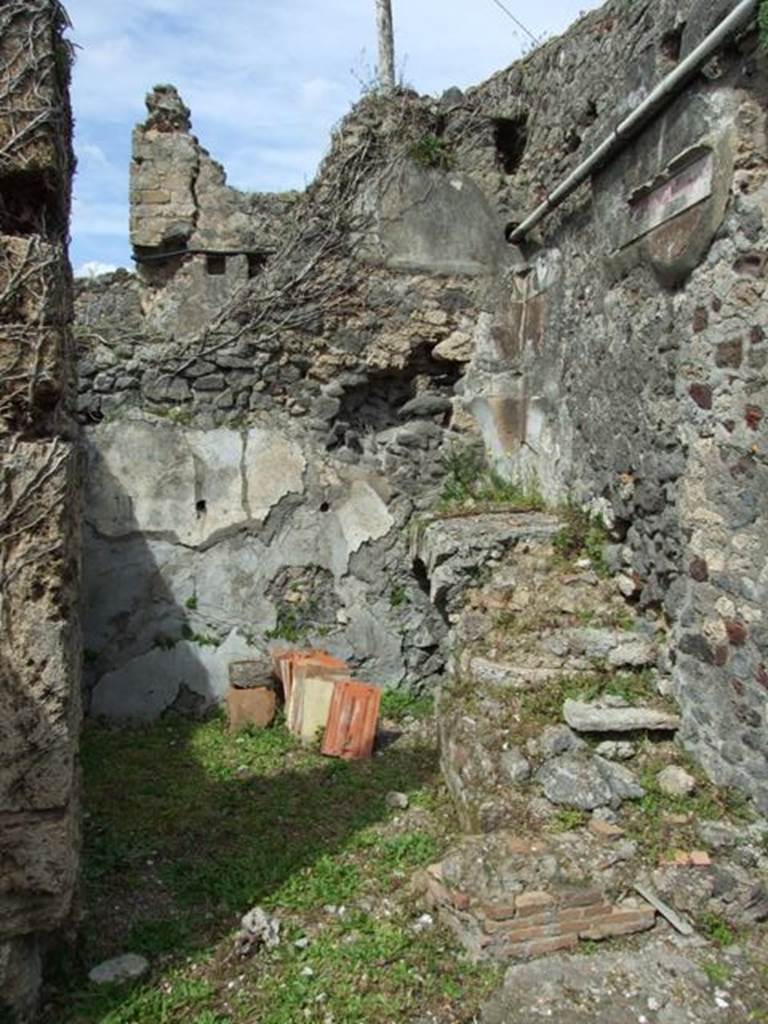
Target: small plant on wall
{"points": [[762, 21], [431, 151]]}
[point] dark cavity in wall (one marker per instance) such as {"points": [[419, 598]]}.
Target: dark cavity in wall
{"points": [[671, 43], [256, 263], [158, 266], [376, 403], [30, 204], [215, 265], [510, 135]]}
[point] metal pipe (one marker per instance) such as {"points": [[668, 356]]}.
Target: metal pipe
{"points": [[638, 118]]}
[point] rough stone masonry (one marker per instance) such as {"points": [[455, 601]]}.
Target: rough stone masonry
{"points": [[369, 325], [40, 652]]}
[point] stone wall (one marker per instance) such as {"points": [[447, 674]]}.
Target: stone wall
{"points": [[295, 429], [40, 653], [615, 358], [625, 365]]}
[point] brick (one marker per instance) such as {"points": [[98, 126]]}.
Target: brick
{"points": [[310, 706], [583, 913], [460, 900], [580, 898], [532, 901], [620, 922], [151, 196], [519, 932], [701, 395], [499, 911], [700, 319], [753, 416]]}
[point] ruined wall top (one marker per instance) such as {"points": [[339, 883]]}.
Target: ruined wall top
{"points": [[180, 199], [166, 110]]}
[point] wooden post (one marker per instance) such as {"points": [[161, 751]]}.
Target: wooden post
{"points": [[386, 67]]}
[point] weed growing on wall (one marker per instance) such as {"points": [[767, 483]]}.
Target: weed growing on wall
{"points": [[762, 21], [583, 536], [470, 483], [431, 151]]}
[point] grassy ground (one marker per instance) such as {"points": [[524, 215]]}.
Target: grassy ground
{"points": [[187, 828]]}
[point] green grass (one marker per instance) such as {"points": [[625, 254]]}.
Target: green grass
{"points": [[471, 484], [717, 973], [544, 705], [716, 929], [569, 818], [188, 827], [399, 705], [582, 536], [647, 820]]}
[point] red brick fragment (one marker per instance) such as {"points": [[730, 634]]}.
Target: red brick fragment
{"points": [[737, 632], [701, 394], [581, 898], [620, 922], [533, 901], [753, 416], [700, 319]]}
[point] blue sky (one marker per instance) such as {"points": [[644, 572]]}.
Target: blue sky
{"points": [[265, 79]]}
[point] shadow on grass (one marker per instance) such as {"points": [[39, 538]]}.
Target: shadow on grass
{"points": [[187, 828]]}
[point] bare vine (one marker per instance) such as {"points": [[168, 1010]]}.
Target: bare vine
{"points": [[33, 77], [34, 279], [317, 268]]}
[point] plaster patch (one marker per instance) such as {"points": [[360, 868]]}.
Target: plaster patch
{"points": [[274, 467], [157, 478], [363, 517]]}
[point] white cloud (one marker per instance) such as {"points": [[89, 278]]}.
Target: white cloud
{"points": [[93, 268]]}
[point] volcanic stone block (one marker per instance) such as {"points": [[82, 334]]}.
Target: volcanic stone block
{"points": [[254, 706], [39, 706]]}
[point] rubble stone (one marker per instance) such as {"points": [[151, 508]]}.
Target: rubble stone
{"points": [[585, 782], [589, 717], [675, 781]]}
